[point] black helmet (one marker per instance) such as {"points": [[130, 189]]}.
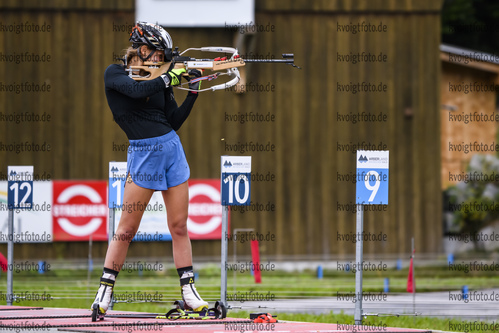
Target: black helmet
{"points": [[152, 35]]}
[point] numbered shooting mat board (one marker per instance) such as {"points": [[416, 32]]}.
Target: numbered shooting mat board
{"points": [[235, 180], [117, 178], [372, 177], [20, 187], [32, 225]]}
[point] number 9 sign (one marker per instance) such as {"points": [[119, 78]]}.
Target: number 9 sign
{"points": [[372, 177]]}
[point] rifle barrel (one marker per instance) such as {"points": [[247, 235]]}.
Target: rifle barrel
{"points": [[287, 61]]}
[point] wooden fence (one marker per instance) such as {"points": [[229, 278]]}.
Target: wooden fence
{"points": [[309, 147]]}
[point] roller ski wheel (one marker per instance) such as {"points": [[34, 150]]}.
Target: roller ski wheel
{"points": [[220, 310], [96, 313]]}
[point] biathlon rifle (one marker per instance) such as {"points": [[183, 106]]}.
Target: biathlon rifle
{"points": [[219, 66]]}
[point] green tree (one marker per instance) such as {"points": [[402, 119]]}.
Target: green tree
{"points": [[473, 201], [472, 24]]}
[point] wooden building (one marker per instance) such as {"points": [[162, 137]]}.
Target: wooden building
{"points": [[360, 60], [469, 118]]}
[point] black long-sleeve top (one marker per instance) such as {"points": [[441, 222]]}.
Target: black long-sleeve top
{"points": [[144, 109]]}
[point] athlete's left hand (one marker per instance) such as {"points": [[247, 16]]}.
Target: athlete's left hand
{"points": [[194, 73]]}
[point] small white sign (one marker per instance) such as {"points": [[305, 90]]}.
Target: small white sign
{"points": [[117, 170], [372, 159], [194, 13], [20, 173], [236, 164]]}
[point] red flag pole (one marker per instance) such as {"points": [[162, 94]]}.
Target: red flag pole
{"points": [[255, 253], [4, 264], [410, 277]]}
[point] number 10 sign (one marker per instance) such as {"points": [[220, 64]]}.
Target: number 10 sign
{"points": [[372, 177], [236, 176]]}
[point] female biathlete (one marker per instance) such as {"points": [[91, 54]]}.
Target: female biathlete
{"points": [[148, 114]]}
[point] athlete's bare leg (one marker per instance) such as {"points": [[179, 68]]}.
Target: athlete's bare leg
{"points": [[135, 200], [177, 203]]}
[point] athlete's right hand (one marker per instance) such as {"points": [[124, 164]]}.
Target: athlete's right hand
{"points": [[174, 75]]}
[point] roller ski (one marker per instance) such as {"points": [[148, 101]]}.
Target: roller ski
{"points": [[179, 312], [102, 299], [183, 311], [192, 305]]}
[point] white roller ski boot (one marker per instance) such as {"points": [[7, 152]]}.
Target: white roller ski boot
{"points": [[102, 299], [190, 296]]}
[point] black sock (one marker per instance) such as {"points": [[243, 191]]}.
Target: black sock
{"points": [[183, 270], [109, 276], [186, 275]]}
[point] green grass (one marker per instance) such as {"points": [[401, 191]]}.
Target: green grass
{"points": [[71, 289], [74, 285], [425, 323]]}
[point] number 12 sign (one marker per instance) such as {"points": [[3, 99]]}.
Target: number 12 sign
{"points": [[372, 177], [20, 187], [236, 176]]}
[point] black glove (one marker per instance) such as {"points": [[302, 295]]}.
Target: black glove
{"points": [[193, 74]]}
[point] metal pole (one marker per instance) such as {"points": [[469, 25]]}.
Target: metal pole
{"points": [[10, 258], [110, 232], [359, 266], [235, 263], [110, 236], [413, 279], [225, 225], [89, 263]]}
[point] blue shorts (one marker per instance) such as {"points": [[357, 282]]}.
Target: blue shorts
{"points": [[158, 163]]}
